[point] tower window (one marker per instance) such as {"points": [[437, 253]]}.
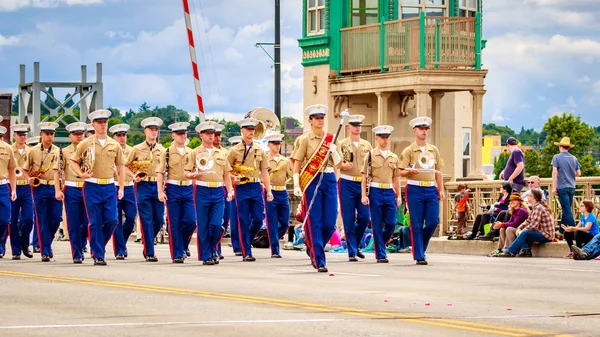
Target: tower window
{"points": [[364, 12], [315, 16]]}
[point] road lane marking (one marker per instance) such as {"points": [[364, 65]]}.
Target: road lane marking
{"points": [[305, 271], [419, 319], [584, 270]]}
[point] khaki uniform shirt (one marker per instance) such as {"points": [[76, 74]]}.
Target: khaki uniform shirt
{"points": [[20, 158], [383, 170], [409, 157], [306, 145], [7, 160], [39, 159], [106, 157], [177, 162], [256, 159], [126, 152], [216, 172], [358, 159], [141, 152], [284, 173], [68, 154]]}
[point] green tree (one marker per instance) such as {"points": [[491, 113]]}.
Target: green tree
{"points": [[533, 162], [15, 106], [531, 137], [144, 107], [493, 129], [500, 164]]}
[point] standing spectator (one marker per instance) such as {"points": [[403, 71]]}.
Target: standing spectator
{"points": [[514, 172], [565, 168], [585, 231], [462, 203]]}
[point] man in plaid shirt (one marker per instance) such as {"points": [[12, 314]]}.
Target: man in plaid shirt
{"points": [[539, 227]]}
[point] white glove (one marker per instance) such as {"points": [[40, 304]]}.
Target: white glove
{"points": [[297, 190], [334, 154]]}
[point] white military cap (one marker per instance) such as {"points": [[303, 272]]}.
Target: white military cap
{"points": [[206, 126], [2, 130], [383, 130], [356, 119], [179, 127], [76, 127], [420, 122], [101, 114], [152, 122], [90, 127], [119, 128], [219, 128], [20, 128], [248, 123], [1, 118], [316, 110], [235, 140], [32, 140], [48, 126], [276, 137]]}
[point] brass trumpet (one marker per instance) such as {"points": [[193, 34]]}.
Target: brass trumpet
{"points": [[239, 171], [347, 155], [18, 172], [138, 165], [37, 174]]}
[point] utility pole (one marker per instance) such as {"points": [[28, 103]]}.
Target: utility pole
{"points": [[278, 59]]}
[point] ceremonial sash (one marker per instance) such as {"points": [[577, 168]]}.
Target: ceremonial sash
{"points": [[315, 163]]}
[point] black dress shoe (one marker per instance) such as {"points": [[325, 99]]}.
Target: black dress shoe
{"points": [[422, 262], [187, 253], [209, 263], [384, 260], [16, 257], [77, 261], [312, 263], [125, 254], [360, 254], [99, 262], [28, 254], [178, 260], [36, 250], [151, 258], [249, 258], [238, 254], [352, 259], [51, 255], [276, 256], [322, 269], [1, 255], [45, 258], [85, 249], [120, 257], [221, 257]]}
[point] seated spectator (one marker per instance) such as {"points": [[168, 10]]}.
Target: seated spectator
{"points": [[492, 212], [589, 251], [508, 230], [461, 200], [534, 182], [585, 230], [539, 227], [404, 243]]}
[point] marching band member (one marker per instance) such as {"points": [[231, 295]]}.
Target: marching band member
{"points": [[90, 131], [422, 196], [35, 244], [210, 169], [278, 210], [218, 133], [2, 133], [96, 160], [380, 171], [233, 213], [21, 222], [355, 215], [71, 191], [32, 141], [8, 193], [38, 170], [127, 203], [217, 145], [179, 196], [249, 158], [151, 210], [320, 223]]}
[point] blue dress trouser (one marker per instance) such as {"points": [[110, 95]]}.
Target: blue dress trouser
{"points": [[21, 221], [5, 216], [124, 229], [382, 203], [355, 215], [35, 242], [320, 223], [101, 206], [251, 213], [423, 206], [48, 216], [77, 219], [226, 216], [181, 218], [151, 212], [210, 206], [234, 227], [278, 218]]}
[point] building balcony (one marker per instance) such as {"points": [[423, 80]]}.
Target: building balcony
{"points": [[418, 43]]}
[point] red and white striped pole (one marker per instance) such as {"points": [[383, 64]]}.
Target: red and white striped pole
{"points": [[188, 26]]}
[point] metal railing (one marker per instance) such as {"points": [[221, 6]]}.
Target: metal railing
{"points": [[488, 192], [423, 42]]}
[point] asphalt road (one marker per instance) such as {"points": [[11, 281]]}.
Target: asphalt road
{"points": [[453, 296]]}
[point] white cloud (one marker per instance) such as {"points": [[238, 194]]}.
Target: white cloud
{"points": [[497, 116], [550, 85], [584, 79], [13, 5], [8, 41]]}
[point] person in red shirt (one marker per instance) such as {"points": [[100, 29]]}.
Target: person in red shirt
{"points": [[462, 204]]}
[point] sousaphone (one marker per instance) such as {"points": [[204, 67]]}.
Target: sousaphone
{"points": [[267, 121]]}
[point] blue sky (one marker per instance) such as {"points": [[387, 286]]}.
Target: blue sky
{"points": [[543, 55]]}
